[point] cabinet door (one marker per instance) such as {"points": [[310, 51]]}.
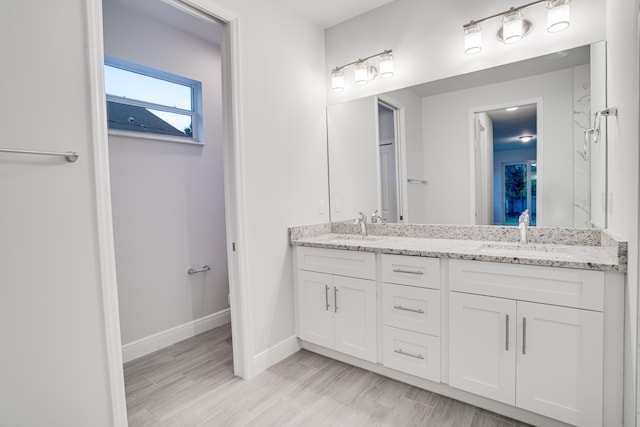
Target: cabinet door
{"points": [[315, 307], [559, 363], [355, 317], [482, 345]]}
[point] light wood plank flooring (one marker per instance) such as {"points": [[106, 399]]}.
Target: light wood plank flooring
{"points": [[191, 383]]}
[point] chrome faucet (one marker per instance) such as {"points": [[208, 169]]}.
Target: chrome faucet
{"points": [[523, 226], [375, 217], [363, 223]]}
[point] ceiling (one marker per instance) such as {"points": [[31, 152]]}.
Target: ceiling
{"points": [[327, 13], [509, 125]]}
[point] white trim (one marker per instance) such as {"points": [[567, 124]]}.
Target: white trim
{"points": [[148, 345], [104, 213], [275, 354], [157, 137]]}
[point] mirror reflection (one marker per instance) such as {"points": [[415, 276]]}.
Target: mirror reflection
{"points": [[472, 149]]}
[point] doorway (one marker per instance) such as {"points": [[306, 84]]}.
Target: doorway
{"points": [[232, 206], [506, 168]]}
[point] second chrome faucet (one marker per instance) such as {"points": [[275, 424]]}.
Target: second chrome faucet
{"points": [[363, 223]]}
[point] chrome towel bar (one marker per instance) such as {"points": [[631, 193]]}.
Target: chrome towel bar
{"points": [[200, 270], [71, 156]]}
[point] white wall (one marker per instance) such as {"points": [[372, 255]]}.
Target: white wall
{"points": [[427, 40], [623, 163], [53, 364], [447, 147], [283, 153], [168, 198], [353, 150]]}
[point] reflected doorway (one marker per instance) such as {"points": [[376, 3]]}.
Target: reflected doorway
{"points": [[389, 170], [506, 164]]}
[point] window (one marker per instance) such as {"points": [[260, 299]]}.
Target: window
{"points": [[141, 99]]}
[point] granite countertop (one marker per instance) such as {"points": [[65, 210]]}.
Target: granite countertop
{"points": [[554, 247]]}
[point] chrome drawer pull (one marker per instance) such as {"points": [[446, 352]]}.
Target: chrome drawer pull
{"points": [[506, 335], [416, 356], [524, 335], [413, 310], [326, 298], [335, 299], [400, 270]]}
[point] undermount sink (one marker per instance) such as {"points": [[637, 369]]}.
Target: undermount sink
{"points": [[356, 238], [516, 248]]}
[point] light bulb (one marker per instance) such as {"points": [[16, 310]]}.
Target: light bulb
{"points": [[361, 73], [473, 39], [386, 65], [558, 16], [337, 81], [512, 27], [526, 138]]}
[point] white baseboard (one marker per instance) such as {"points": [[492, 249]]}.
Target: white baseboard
{"points": [[277, 353], [163, 339]]}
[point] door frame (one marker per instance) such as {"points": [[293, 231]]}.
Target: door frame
{"points": [[539, 153], [400, 148], [233, 183]]}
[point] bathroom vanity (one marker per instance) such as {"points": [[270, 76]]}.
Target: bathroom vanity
{"points": [[534, 331]]}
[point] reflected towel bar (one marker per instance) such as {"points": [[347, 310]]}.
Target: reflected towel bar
{"points": [[71, 156], [417, 181], [194, 271]]}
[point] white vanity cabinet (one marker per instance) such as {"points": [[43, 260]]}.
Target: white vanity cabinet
{"points": [[529, 336], [336, 300], [411, 315]]}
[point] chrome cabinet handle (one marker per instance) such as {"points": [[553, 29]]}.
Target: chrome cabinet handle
{"points": [[506, 346], [326, 298], [335, 299], [200, 270], [524, 335], [400, 270], [416, 356], [413, 310]]}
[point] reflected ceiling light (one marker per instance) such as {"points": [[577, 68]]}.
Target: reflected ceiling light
{"points": [[473, 39], [364, 72], [515, 26], [525, 138], [558, 15], [511, 109]]}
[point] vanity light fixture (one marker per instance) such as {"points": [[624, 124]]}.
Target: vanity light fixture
{"points": [[514, 24], [525, 138], [364, 71]]}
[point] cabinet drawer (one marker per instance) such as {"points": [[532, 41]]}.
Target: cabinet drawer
{"points": [[414, 309], [411, 270], [411, 352], [336, 261], [549, 285]]}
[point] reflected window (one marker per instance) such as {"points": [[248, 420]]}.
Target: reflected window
{"points": [[519, 191]]}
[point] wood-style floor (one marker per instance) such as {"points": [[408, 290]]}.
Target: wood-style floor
{"points": [[191, 383]]}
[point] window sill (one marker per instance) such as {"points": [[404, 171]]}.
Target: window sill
{"points": [[154, 137]]}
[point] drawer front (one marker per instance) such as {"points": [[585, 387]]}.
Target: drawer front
{"points": [[411, 352], [413, 309], [336, 261], [549, 285], [411, 270]]}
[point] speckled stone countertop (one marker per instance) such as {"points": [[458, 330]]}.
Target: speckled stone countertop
{"points": [[589, 249]]}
